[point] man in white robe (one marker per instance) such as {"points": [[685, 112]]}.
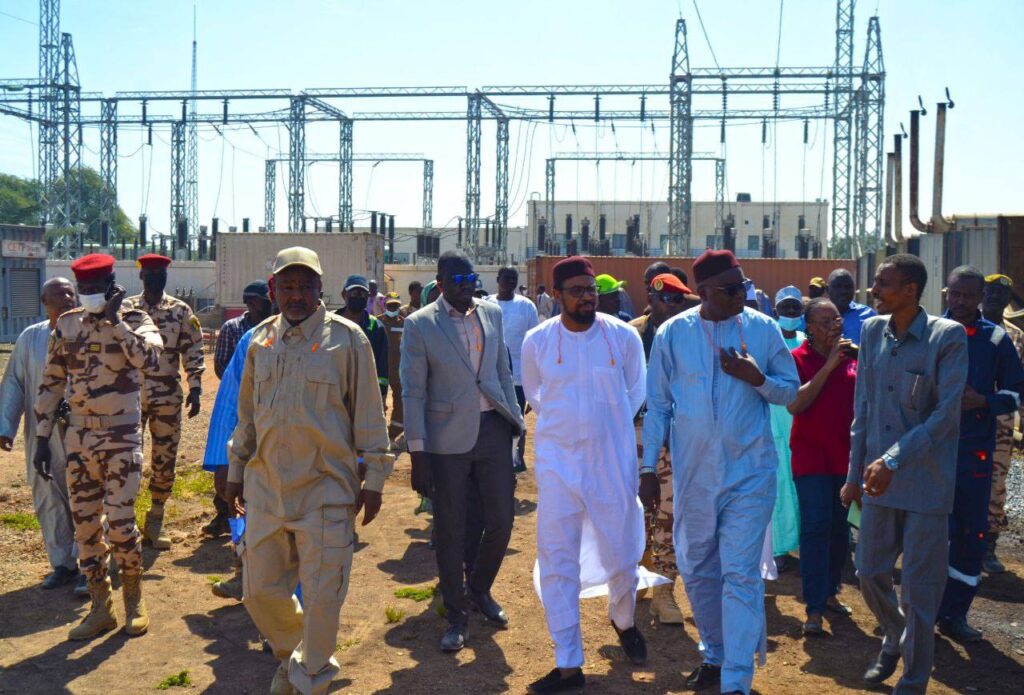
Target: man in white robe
{"points": [[18, 391], [712, 373], [584, 376]]}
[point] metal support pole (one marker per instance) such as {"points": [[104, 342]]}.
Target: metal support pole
{"points": [[70, 135], [871, 143], [720, 198], [345, 176], [270, 195], [501, 192], [428, 194], [296, 162], [177, 173], [680, 147], [108, 161], [473, 123], [549, 197]]}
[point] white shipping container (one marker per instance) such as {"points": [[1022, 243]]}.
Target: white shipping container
{"points": [[243, 258]]}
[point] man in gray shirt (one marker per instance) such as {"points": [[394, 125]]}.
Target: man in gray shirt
{"points": [[911, 373]]}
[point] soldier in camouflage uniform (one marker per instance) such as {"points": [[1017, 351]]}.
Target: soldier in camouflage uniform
{"points": [[667, 296], [95, 360], [994, 300], [161, 393]]}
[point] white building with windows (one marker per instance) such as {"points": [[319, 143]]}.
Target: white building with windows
{"points": [[783, 219]]}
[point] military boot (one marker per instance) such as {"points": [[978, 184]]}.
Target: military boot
{"points": [[154, 531], [990, 563], [664, 606], [281, 685], [136, 619], [232, 588], [101, 617]]}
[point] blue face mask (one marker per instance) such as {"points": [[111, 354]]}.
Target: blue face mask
{"points": [[791, 324]]}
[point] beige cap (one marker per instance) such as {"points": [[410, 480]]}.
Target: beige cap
{"points": [[297, 255]]}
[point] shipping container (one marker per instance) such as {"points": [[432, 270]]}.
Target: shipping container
{"points": [[22, 273], [243, 258]]}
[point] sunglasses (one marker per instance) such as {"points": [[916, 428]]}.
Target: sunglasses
{"points": [[465, 278], [670, 297], [581, 291], [734, 289]]}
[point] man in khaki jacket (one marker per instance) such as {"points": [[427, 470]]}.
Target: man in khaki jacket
{"points": [[308, 408]]}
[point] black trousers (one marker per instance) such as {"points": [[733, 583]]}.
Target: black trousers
{"points": [[486, 470]]}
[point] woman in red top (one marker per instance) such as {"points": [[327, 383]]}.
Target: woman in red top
{"points": [[820, 443]]}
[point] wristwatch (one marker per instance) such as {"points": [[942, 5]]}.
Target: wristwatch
{"points": [[890, 463]]}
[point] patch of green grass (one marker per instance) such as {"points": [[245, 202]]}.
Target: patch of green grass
{"points": [[441, 611], [192, 482], [213, 579], [422, 593], [21, 521], [393, 614], [178, 680], [143, 502], [347, 644]]}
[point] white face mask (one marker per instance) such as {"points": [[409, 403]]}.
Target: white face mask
{"points": [[392, 314], [93, 303]]}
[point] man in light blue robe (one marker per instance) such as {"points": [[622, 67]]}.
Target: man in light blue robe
{"points": [[713, 372]]}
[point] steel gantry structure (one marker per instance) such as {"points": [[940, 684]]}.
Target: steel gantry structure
{"points": [[549, 177], [852, 100], [345, 172]]}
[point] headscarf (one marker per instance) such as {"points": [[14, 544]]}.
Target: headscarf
{"points": [[427, 289]]}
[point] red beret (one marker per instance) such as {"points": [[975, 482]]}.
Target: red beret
{"points": [[153, 260], [667, 282], [571, 267], [712, 262], [94, 266]]}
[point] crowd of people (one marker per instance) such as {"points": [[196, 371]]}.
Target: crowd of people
{"points": [[706, 438]]}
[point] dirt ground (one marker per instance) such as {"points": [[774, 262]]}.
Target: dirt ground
{"points": [[214, 640]]}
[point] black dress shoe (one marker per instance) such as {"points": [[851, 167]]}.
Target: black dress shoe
{"points": [[454, 638], [958, 630], [633, 643], [555, 682], [884, 666], [705, 676], [488, 608], [59, 577]]}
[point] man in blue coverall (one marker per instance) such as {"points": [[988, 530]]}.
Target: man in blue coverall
{"points": [[994, 382]]}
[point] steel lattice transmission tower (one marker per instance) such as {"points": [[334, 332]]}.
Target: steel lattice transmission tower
{"points": [[870, 145], [680, 147], [843, 105], [473, 123], [296, 163], [49, 77]]}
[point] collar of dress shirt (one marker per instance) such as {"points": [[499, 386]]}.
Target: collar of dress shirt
{"points": [[452, 311], [310, 324], [916, 328]]}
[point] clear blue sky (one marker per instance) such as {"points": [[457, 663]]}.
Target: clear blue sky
{"points": [[127, 45]]}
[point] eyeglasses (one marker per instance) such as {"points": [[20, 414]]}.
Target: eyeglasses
{"points": [[734, 289], [581, 291], [670, 297], [826, 323], [465, 278]]}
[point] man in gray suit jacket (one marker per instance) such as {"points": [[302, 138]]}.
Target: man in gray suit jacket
{"points": [[460, 416], [911, 372]]}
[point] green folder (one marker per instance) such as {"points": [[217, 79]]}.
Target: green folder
{"points": [[853, 518]]}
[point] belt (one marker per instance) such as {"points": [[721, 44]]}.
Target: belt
{"points": [[102, 422]]}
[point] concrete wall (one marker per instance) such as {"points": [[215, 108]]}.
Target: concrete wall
{"points": [[654, 222], [198, 278]]}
